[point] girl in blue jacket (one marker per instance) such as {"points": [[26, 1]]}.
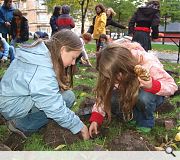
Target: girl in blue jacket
{"points": [[35, 86]]}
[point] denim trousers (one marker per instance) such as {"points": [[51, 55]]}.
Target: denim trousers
{"points": [[11, 53], [36, 119], [143, 111]]}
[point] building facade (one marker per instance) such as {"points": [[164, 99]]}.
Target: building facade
{"points": [[36, 13]]}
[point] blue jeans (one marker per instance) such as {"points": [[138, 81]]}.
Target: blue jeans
{"points": [[143, 110], [11, 53], [36, 118]]}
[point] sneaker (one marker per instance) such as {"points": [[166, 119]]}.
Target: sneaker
{"points": [[131, 123], [143, 129], [11, 126]]}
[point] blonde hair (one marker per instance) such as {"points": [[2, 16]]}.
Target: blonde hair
{"points": [[114, 60], [113, 13]]}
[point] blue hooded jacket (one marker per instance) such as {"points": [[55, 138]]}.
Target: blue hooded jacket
{"points": [[31, 81], [6, 15]]}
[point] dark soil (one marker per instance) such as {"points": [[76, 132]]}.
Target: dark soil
{"points": [[2, 120], [178, 104], [172, 73], [85, 109], [54, 135], [130, 141], [177, 92], [166, 107], [91, 70], [83, 88], [89, 76], [88, 102], [3, 147], [161, 121], [15, 142]]}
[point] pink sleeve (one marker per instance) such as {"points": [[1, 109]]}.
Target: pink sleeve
{"points": [[167, 83]]}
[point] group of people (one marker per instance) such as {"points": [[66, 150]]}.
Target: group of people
{"points": [[61, 19], [36, 87], [13, 27]]}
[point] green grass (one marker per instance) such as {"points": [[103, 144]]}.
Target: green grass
{"points": [[165, 47], [36, 143], [158, 47]]}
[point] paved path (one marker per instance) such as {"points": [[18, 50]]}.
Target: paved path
{"points": [[171, 57]]}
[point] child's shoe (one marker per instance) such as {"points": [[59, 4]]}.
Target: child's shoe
{"points": [[143, 129], [131, 123]]}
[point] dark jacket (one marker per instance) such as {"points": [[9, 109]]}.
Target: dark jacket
{"points": [[24, 29], [145, 17], [113, 23], [53, 24]]}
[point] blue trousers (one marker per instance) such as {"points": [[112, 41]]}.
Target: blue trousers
{"points": [[36, 118], [143, 110], [11, 53]]}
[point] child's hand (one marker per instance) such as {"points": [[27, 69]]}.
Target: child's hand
{"points": [[93, 129], [145, 84], [85, 133]]}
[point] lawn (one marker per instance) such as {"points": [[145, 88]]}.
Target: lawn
{"points": [[157, 137]]}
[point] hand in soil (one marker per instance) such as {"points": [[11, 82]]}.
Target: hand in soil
{"points": [[85, 133], [93, 129]]}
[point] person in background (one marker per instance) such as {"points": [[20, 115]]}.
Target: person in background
{"points": [[54, 17], [35, 88], [19, 28], [65, 21], [85, 39], [131, 85], [110, 13], [100, 22], [143, 21], [6, 15], [42, 35], [91, 27], [6, 51], [102, 42]]}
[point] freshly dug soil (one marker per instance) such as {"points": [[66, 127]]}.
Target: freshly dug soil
{"points": [[3, 147], [89, 76], [130, 141], [54, 135], [2, 120], [166, 107], [177, 92], [161, 121], [85, 109], [88, 102], [15, 142], [83, 88], [90, 69]]}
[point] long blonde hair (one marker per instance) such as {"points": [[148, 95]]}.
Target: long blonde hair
{"points": [[62, 38], [115, 60]]}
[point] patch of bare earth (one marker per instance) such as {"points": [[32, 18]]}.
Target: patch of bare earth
{"points": [[54, 135], [83, 88], [15, 142], [3, 147], [130, 141], [166, 107]]}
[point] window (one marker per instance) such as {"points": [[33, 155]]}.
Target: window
{"points": [[41, 4], [42, 17]]}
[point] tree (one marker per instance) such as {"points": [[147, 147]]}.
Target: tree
{"points": [[170, 8], [77, 7]]}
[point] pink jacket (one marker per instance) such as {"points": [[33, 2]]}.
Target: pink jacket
{"points": [[162, 83]]}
